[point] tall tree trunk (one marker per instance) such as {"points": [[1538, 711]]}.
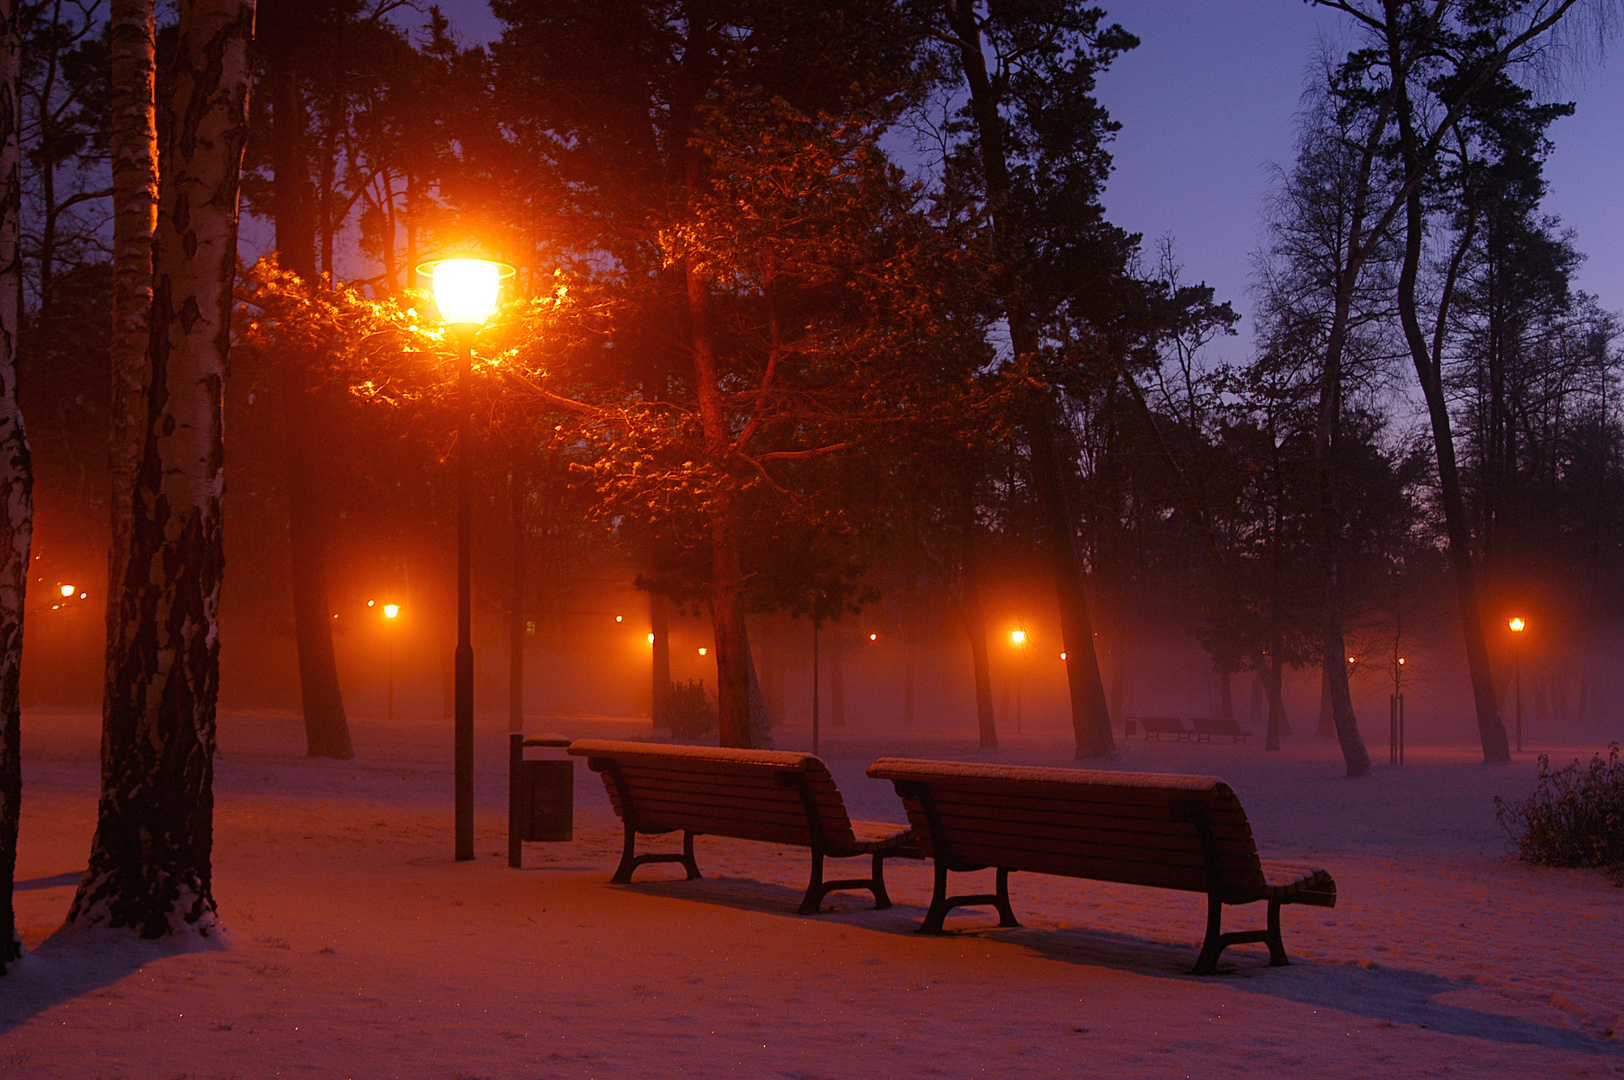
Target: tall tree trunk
{"points": [[1090, 714], [1428, 368], [1326, 728], [761, 729], [133, 147], [1271, 679], [327, 731], [660, 660], [16, 484], [727, 574], [910, 659], [516, 494], [1226, 695], [975, 626], [837, 680], [150, 862]]}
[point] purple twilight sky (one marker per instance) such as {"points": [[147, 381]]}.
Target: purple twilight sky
{"points": [[1207, 104]]}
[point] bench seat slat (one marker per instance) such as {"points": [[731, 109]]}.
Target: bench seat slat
{"points": [[767, 785], [1019, 848], [1155, 844], [1063, 822], [665, 809], [1084, 803]]}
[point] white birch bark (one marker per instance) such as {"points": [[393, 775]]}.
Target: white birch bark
{"points": [[150, 862], [16, 484]]}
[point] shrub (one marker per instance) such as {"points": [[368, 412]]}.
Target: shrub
{"points": [[1575, 817], [691, 709]]}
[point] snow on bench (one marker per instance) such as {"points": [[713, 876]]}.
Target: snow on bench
{"points": [[773, 796], [1162, 831]]}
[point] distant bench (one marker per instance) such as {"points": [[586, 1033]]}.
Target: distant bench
{"points": [[772, 796], [1207, 729], [1154, 727], [1162, 831]]}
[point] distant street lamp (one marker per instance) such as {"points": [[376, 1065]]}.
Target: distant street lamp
{"points": [[390, 612], [1517, 627], [465, 291], [1017, 638]]}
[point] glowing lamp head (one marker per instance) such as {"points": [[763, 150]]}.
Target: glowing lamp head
{"points": [[1353, 659], [391, 610], [1517, 625], [1062, 656], [1017, 637], [873, 637], [619, 618], [651, 639], [69, 590], [703, 651], [465, 290], [1401, 661]]}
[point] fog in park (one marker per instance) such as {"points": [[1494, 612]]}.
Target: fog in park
{"points": [[1101, 443]]}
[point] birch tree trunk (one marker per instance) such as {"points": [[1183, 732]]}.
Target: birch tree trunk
{"points": [[150, 862], [16, 485], [133, 146]]}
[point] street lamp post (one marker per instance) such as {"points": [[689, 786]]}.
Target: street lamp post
{"points": [[465, 291], [1517, 627], [1017, 637], [390, 613]]}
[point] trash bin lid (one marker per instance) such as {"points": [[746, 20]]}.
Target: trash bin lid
{"points": [[548, 738]]}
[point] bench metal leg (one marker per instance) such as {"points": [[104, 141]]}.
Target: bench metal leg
{"points": [[630, 861], [817, 888], [882, 899], [1217, 941], [941, 903]]}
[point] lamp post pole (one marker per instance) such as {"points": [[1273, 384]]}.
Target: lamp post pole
{"points": [[465, 290], [1517, 669], [464, 660], [1517, 624]]}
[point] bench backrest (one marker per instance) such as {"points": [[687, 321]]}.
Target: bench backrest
{"points": [[1133, 828], [1162, 725], [1216, 726], [768, 795]]}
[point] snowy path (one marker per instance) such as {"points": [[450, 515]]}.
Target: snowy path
{"points": [[357, 948]]}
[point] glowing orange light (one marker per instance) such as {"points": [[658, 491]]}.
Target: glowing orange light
{"points": [[618, 618], [1018, 637], [873, 637], [1062, 656], [703, 650], [69, 590], [391, 610], [1517, 625], [465, 289], [1401, 661], [371, 602], [83, 595], [1353, 659], [651, 639]]}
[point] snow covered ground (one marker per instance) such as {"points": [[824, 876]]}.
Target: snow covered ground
{"points": [[356, 947]]}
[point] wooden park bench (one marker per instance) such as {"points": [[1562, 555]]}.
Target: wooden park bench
{"points": [[1162, 831], [1206, 729], [1154, 727], [773, 796]]}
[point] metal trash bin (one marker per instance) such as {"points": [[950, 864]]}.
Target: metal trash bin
{"points": [[541, 795]]}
